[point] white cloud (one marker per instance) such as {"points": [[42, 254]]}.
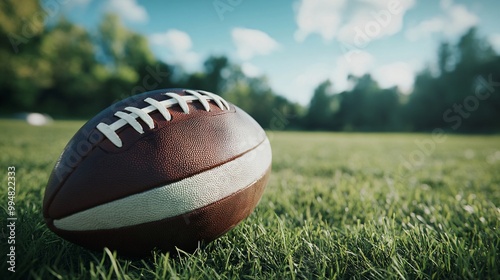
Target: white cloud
{"points": [[251, 42], [250, 70], [177, 46], [303, 85], [455, 20], [494, 40], [377, 18], [318, 16], [374, 20], [175, 40], [461, 20], [356, 63], [399, 74], [313, 75], [426, 28], [128, 9]]}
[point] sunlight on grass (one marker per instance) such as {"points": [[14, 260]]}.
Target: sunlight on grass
{"points": [[337, 206]]}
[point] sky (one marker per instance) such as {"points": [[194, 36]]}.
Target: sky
{"points": [[297, 44]]}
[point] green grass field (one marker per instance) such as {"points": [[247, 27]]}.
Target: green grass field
{"points": [[337, 206]]}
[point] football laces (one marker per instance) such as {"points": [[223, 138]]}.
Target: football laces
{"points": [[130, 115]]}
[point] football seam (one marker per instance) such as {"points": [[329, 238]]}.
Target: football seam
{"points": [[49, 203], [156, 129], [50, 220], [130, 118], [266, 173], [217, 99], [208, 168]]}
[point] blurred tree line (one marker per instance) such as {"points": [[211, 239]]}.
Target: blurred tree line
{"points": [[53, 66], [460, 93]]}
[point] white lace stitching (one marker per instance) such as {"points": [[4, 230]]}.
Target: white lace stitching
{"points": [[161, 106]]}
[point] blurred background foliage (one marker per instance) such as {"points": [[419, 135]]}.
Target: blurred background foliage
{"points": [[64, 70]]}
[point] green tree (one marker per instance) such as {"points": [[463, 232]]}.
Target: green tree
{"points": [[216, 71], [473, 50], [366, 107], [21, 26], [218, 75], [256, 97], [129, 59], [319, 113], [445, 58], [74, 71], [425, 102], [449, 100]]}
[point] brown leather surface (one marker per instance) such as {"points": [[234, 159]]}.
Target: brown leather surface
{"points": [[185, 231], [91, 174]]}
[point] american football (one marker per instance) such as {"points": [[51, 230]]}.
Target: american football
{"points": [[233, 139], [165, 169]]}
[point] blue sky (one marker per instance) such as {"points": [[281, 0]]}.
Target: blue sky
{"points": [[298, 44]]}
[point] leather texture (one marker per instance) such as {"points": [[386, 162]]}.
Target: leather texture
{"points": [[176, 198], [176, 149], [93, 171], [186, 232]]}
